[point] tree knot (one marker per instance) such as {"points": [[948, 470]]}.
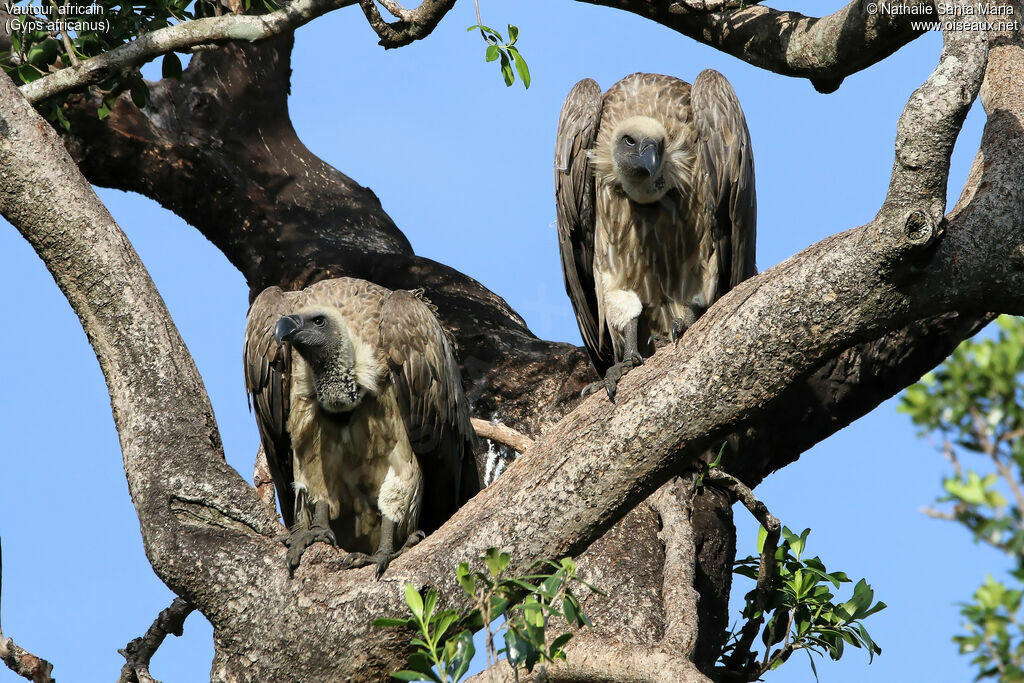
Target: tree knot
{"points": [[920, 230]]}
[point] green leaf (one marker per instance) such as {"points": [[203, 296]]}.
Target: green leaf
{"points": [[559, 642], [718, 458], [464, 652], [513, 34], [171, 66], [406, 675], [551, 585], [506, 69], [414, 600], [444, 622], [43, 54], [466, 580], [392, 623], [429, 603], [140, 93], [496, 561], [517, 648], [532, 612], [28, 73], [492, 53], [524, 71], [570, 609]]}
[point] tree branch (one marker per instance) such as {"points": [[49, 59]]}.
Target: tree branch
{"points": [[412, 25], [140, 651], [825, 50], [678, 587], [767, 572], [19, 660], [186, 501], [503, 434], [180, 38]]}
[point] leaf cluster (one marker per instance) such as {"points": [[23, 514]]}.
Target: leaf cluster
{"points": [[527, 604], [55, 35], [974, 402], [801, 611], [505, 53], [438, 656], [994, 633]]}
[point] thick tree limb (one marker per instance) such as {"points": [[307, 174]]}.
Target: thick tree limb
{"points": [[179, 38], [140, 651], [158, 400], [825, 50], [19, 660]]}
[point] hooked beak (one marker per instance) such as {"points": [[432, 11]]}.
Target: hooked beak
{"points": [[286, 328], [650, 158]]}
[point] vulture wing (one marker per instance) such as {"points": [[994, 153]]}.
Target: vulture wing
{"points": [[267, 382], [574, 200], [429, 390], [727, 191]]}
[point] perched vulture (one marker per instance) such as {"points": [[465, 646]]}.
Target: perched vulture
{"points": [[360, 409], [654, 187]]}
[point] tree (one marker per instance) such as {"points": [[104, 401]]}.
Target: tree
{"points": [[973, 402], [826, 336]]}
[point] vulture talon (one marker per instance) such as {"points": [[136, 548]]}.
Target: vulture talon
{"points": [[300, 539], [414, 538], [681, 324], [612, 377], [657, 341], [679, 327], [382, 558]]}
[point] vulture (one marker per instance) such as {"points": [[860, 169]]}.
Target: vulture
{"points": [[360, 409], [654, 190]]}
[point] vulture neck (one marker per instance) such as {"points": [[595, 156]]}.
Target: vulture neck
{"points": [[337, 391]]}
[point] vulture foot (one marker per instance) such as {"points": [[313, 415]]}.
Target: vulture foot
{"points": [[301, 538], [631, 358], [382, 558], [679, 327], [681, 324], [610, 383]]}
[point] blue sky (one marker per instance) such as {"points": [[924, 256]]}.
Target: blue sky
{"points": [[463, 165]]}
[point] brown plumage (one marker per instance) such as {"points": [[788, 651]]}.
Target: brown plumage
{"points": [[654, 187], [361, 412]]}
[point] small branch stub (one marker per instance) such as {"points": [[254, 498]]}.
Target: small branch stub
{"points": [[920, 230]]}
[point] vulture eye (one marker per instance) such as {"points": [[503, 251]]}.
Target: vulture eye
{"points": [[630, 142], [320, 321]]}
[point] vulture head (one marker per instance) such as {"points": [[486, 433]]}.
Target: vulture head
{"points": [[638, 149], [343, 368]]}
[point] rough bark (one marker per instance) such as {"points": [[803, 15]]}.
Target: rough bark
{"points": [[785, 335], [824, 50]]}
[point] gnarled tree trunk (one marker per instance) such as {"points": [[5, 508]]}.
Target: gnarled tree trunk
{"points": [[779, 364]]}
